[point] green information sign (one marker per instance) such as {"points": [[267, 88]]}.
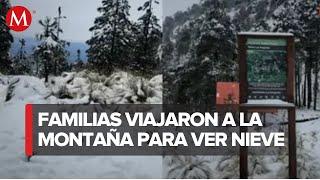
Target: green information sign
{"points": [[267, 68], [267, 71]]}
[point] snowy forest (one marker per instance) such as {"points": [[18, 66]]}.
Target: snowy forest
{"points": [[199, 45], [143, 61], [184, 50], [117, 43]]}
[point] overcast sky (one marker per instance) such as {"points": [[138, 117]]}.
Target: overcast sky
{"points": [[81, 14]]}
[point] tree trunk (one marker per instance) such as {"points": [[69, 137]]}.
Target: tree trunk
{"points": [[114, 31], [305, 86], [146, 31], [316, 83], [299, 85], [46, 72], [316, 71], [37, 66], [309, 81], [55, 66]]}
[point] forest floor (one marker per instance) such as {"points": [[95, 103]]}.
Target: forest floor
{"points": [[16, 91]]}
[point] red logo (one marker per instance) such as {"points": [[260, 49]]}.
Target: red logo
{"points": [[18, 18]]}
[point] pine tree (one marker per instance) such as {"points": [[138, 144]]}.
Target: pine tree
{"points": [[302, 20], [78, 64], [312, 35], [112, 38], [21, 63], [45, 51], [188, 167], [287, 19], [261, 26], [5, 38], [204, 54], [60, 58], [148, 39]]}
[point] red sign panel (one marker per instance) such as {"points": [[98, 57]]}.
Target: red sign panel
{"points": [[227, 93]]}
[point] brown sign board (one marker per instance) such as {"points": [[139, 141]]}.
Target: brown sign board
{"points": [[267, 71]]}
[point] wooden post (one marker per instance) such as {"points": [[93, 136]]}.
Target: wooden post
{"points": [[291, 111], [242, 40], [292, 143], [290, 70], [244, 154], [242, 52]]}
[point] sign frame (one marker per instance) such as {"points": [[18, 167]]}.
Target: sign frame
{"points": [[242, 39], [243, 76]]}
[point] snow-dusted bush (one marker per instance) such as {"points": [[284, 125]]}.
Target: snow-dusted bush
{"points": [[228, 167], [83, 88], [155, 90], [187, 167], [4, 84], [69, 85], [123, 88], [118, 88], [308, 166], [259, 166], [21, 88]]}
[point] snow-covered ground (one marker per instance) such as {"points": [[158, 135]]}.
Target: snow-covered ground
{"points": [[261, 167], [121, 87]]}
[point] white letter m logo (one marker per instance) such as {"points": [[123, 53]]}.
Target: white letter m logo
{"points": [[22, 17]]}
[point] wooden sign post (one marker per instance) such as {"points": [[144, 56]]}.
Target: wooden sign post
{"points": [[267, 78]]}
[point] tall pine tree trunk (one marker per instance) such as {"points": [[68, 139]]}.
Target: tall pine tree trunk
{"points": [[114, 31], [309, 80], [299, 84], [146, 31], [46, 70], [305, 86], [296, 86], [315, 86], [37, 65], [316, 78], [55, 66]]}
